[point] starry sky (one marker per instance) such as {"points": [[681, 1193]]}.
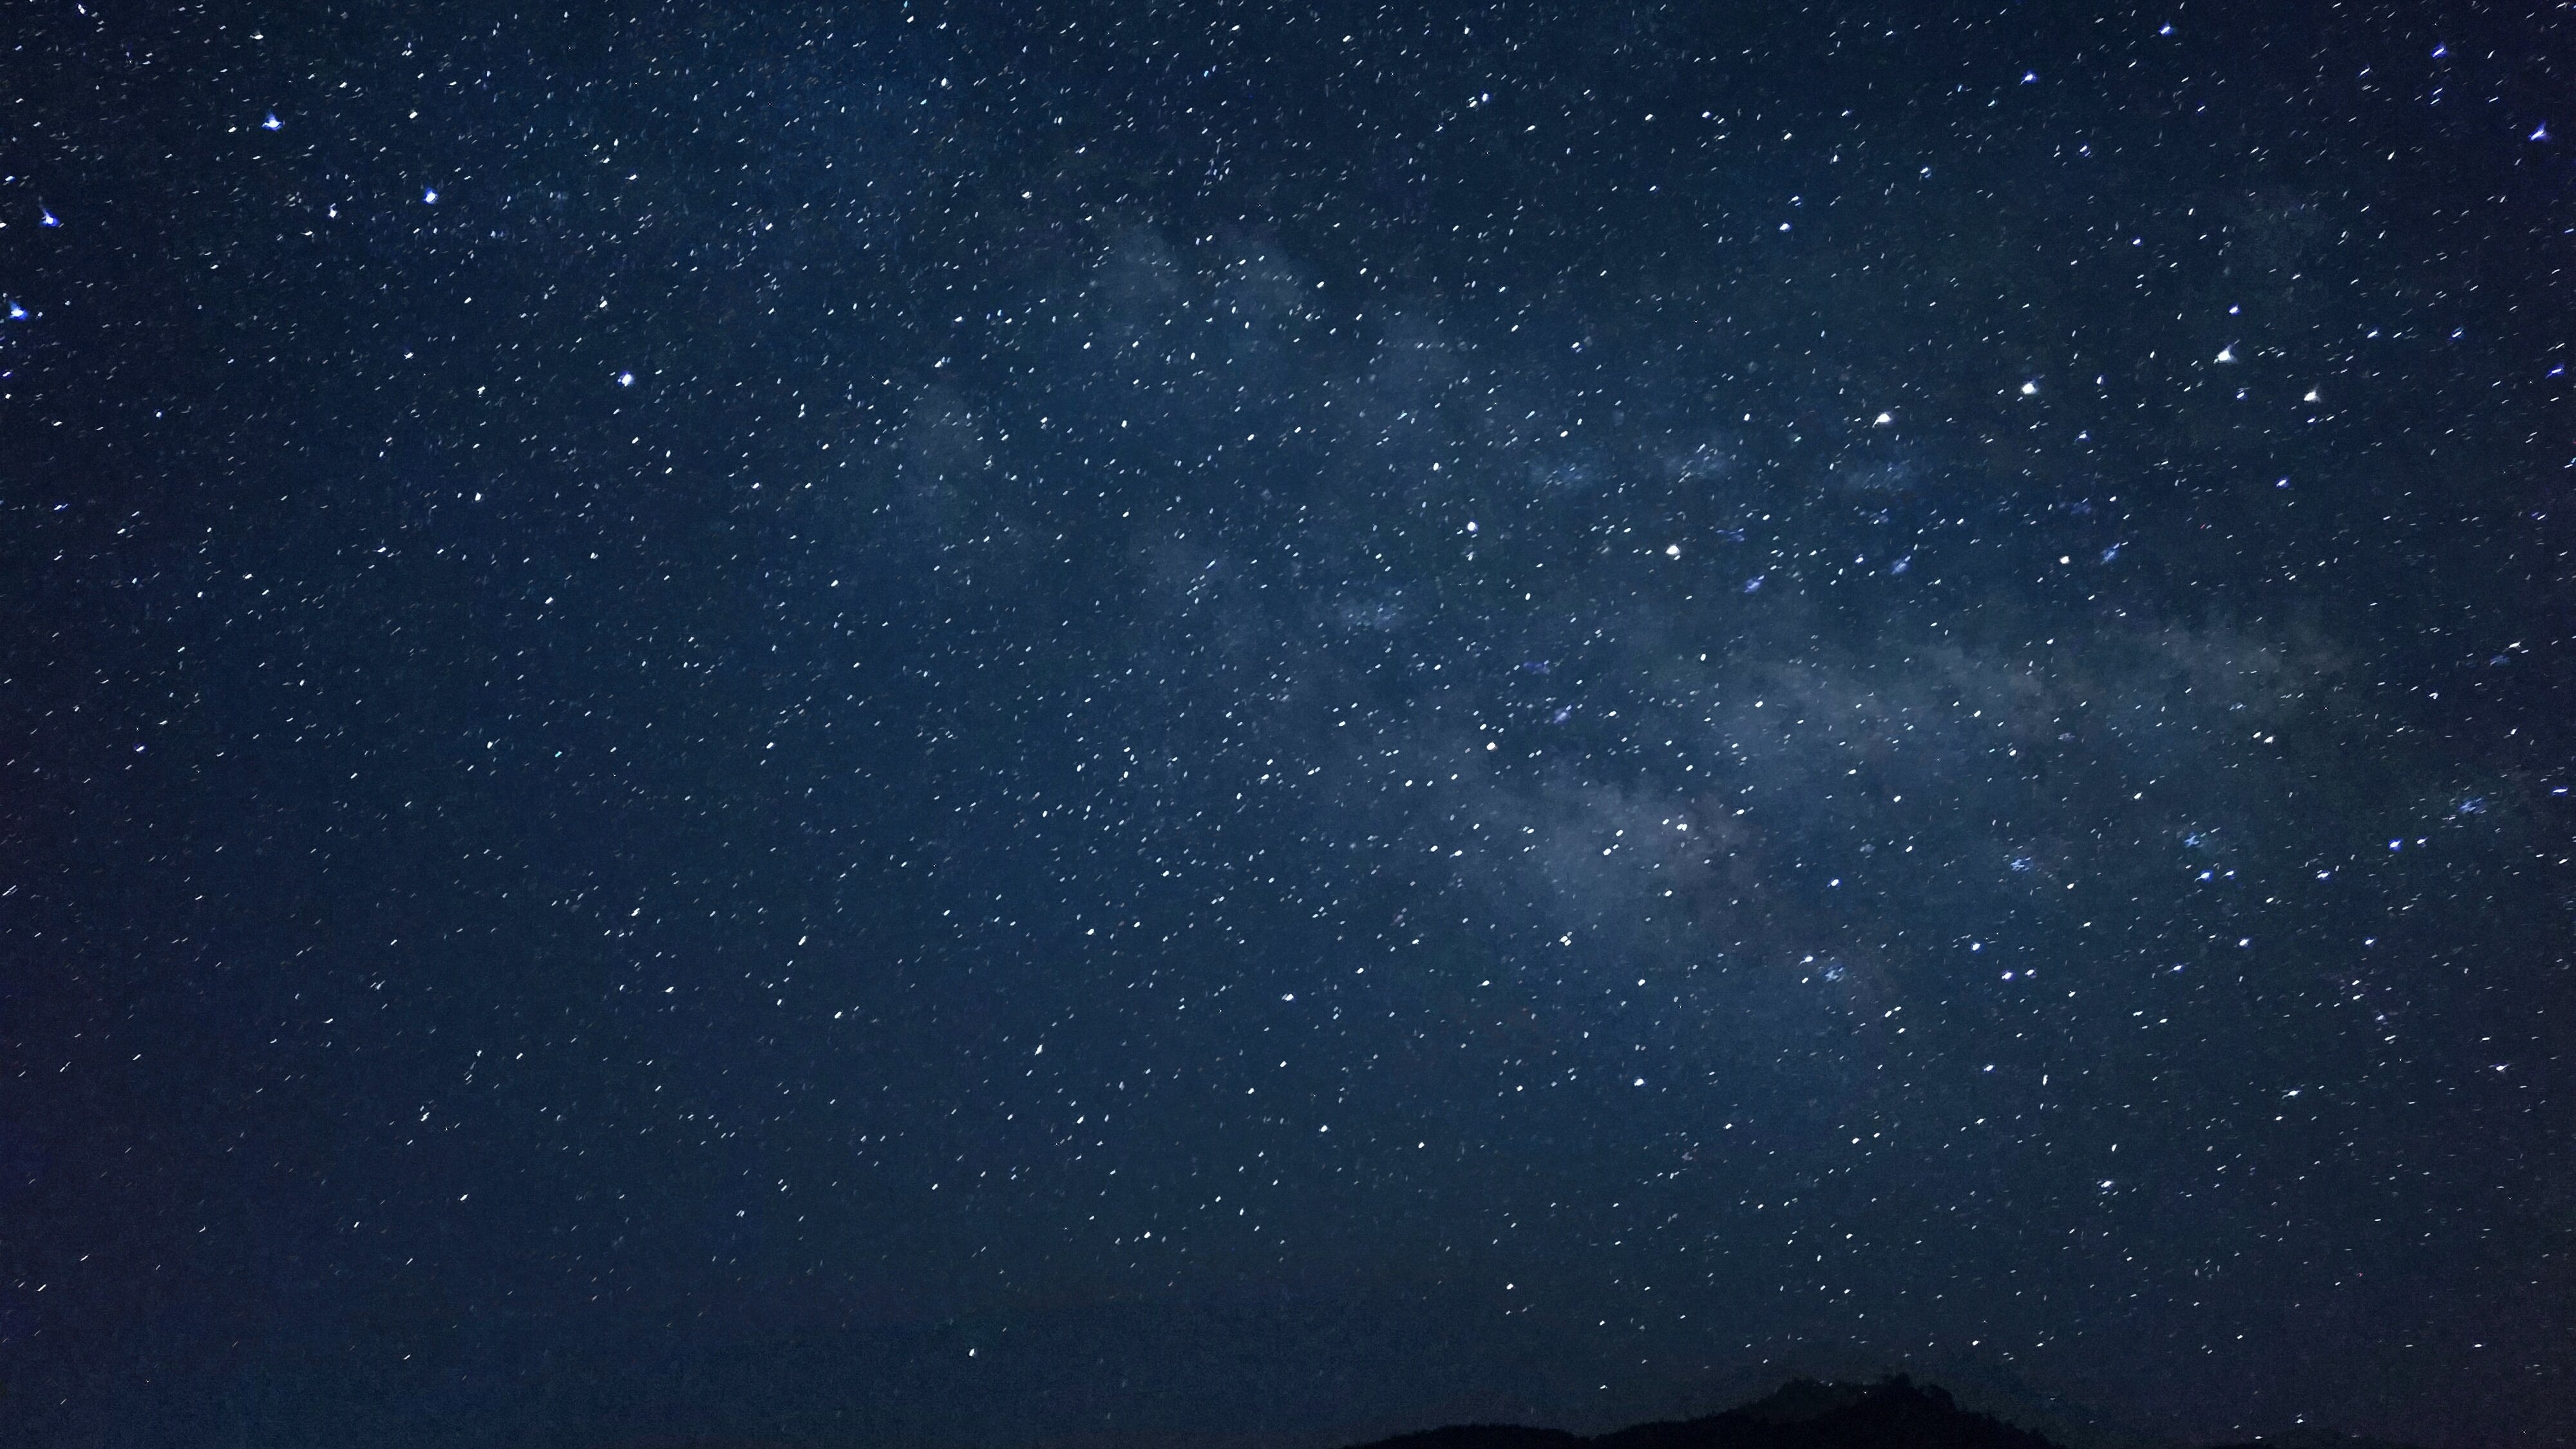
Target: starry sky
{"points": [[985, 722]]}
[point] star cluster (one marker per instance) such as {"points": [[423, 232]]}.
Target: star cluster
{"points": [[979, 723]]}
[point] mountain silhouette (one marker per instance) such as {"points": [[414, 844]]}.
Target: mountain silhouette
{"points": [[1894, 1413]]}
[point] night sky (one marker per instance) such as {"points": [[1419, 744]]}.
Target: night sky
{"points": [[981, 722]]}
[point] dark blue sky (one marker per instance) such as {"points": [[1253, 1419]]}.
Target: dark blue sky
{"points": [[978, 723]]}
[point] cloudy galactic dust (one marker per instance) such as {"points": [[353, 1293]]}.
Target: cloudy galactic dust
{"points": [[979, 723]]}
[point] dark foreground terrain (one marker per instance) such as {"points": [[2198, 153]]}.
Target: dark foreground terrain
{"points": [[1894, 1413], [1891, 1413]]}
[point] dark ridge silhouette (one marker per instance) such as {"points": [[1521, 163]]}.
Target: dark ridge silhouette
{"points": [[1894, 1413]]}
